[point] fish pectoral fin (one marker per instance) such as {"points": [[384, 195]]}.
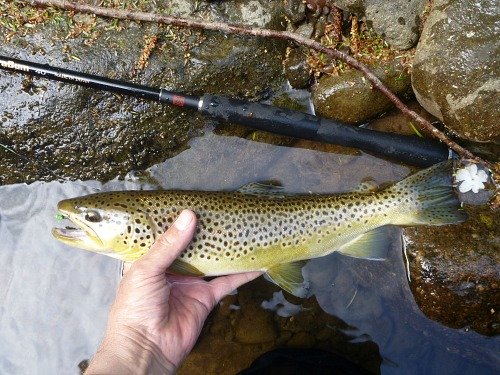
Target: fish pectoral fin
{"points": [[263, 189], [370, 245], [288, 276], [183, 268]]}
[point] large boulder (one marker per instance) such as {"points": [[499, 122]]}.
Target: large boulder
{"points": [[455, 70], [457, 282]]}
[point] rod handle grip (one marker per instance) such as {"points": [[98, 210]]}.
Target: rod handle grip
{"points": [[408, 149]]}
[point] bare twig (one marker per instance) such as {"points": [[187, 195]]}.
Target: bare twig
{"points": [[267, 33]]}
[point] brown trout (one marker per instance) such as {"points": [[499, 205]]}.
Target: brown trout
{"points": [[258, 227]]}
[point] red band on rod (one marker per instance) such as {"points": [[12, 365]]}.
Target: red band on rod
{"points": [[178, 100]]}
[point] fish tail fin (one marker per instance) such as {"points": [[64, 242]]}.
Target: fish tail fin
{"points": [[429, 197]]}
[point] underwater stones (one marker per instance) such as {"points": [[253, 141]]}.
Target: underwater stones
{"points": [[350, 98], [301, 339], [253, 325], [455, 70], [455, 271], [396, 21], [246, 330]]}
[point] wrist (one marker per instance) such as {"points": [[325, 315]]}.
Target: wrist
{"points": [[129, 352]]}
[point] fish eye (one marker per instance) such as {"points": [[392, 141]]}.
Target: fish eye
{"points": [[93, 216]]}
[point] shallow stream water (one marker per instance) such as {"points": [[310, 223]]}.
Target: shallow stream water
{"points": [[55, 298]]}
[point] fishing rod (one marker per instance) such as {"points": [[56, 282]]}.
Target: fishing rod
{"points": [[408, 149]]}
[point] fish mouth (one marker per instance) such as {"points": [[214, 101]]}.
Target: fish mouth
{"points": [[77, 234]]}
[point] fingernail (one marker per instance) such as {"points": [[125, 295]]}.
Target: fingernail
{"points": [[183, 220]]}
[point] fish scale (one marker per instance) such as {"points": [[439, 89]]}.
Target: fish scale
{"points": [[259, 227]]}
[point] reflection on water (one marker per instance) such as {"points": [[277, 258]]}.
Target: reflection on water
{"points": [[55, 299]]}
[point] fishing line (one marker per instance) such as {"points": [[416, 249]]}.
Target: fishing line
{"points": [[352, 299], [25, 158], [43, 167], [405, 253]]}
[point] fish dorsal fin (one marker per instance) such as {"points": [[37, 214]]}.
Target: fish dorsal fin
{"points": [[264, 189], [370, 245], [183, 268], [289, 277], [366, 187]]}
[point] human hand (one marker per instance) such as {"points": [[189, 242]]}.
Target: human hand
{"points": [[157, 317]]}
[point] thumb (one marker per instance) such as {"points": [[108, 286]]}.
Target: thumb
{"points": [[170, 244]]}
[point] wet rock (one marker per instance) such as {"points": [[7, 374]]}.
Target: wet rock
{"points": [[455, 70], [356, 7], [63, 130], [396, 21], [297, 70], [455, 271], [396, 122], [259, 13], [295, 11], [306, 30], [350, 98]]}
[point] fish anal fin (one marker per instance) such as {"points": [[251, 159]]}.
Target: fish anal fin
{"points": [[182, 268], [370, 245], [288, 276]]}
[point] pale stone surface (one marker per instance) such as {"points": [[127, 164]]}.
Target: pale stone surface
{"points": [[455, 70]]}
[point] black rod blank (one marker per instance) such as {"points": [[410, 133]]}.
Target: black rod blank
{"points": [[408, 149]]}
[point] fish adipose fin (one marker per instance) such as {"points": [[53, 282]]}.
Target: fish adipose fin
{"points": [[370, 245], [288, 276], [432, 197]]}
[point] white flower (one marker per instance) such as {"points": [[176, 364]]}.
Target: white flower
{"points": [[471, 178]]}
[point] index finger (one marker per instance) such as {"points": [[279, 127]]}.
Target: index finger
{"points": [[224, 285]]}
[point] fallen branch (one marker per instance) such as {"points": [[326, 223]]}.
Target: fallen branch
{"points": [[267, 33]]}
